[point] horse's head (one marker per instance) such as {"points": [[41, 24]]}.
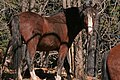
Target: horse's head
{"points": [[90, 13], [82, 17]]}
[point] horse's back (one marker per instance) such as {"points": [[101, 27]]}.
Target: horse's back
{"points": [[58, 18], [113, 63], [51, 29], [27, 17], [30, 24]]}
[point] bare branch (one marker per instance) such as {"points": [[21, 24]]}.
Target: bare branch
{"points": [[64, 4], [103, 7]]}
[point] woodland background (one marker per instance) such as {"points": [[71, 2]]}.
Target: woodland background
{"points": [[106, 31]]}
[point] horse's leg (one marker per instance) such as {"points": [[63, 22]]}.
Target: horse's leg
{"points": [[67, 68], [18, 58], [31, 50], [19, 67], [19, 74], [23, 50], [62, 54]]}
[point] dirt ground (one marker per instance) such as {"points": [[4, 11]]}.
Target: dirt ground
{"points": [[42, 73]]}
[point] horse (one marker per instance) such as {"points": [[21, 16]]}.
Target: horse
{"points": [[111, 64], [56, 32]]}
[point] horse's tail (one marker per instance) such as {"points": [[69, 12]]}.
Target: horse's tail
{"points": [[105, 72], [16, 40], [15, 31]]}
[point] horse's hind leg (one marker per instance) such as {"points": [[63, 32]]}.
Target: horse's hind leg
{"points": [[31, 50], [17, 62], [19, 73], [62, 54], [23, 50]]}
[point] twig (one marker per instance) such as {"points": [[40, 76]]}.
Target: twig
{"points": [[114, 7], [103, 7]]}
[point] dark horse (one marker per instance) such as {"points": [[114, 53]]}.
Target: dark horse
{"points": [[111, 66], [56, 32]]}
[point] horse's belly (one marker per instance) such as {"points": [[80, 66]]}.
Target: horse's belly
{"points": [[49, 43]]}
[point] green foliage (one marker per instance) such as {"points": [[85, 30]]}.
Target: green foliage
{"points": [[4, 36]]}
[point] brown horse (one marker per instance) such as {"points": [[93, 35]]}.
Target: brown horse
{"points": [[56, 32], [111, 69]]}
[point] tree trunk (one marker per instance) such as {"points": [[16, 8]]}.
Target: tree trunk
{"points": [[91, 55], [79, 3], [68, 3], [92, 51], [64, 4], [31, 5], [24, 5], [79, 68]]}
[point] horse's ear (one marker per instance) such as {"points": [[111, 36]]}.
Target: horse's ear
{"points": [[87, 4]]}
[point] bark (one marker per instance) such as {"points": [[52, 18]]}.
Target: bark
{"points": [[68, 3], [92, 50], [79, 3], [91, 55], [31, 5], [79, 68], [64, 4], [24, 5], [75, 3]]}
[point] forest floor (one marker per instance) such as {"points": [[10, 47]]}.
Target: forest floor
{"points": [[42, 73]]}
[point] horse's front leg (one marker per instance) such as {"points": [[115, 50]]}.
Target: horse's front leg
{"points": [[62, 54]]}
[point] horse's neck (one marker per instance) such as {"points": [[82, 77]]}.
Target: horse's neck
{"points": [[75, 23], [72, 33]]}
